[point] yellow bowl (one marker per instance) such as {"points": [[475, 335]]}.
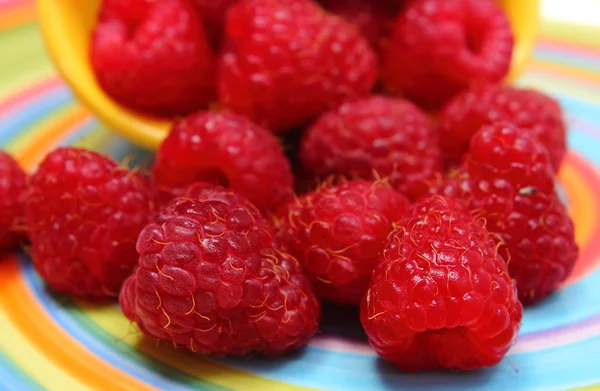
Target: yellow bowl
{"points": [[66, 26]]}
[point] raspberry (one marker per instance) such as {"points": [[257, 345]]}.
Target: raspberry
{"points": [[440, 47], [338, 233], [210, 280], [286, 61], [226, 149], [371, 18], [442, 296], [389, 136], [507, 179], [13, 182], [84, 214], [153, 56], [530, 110]]}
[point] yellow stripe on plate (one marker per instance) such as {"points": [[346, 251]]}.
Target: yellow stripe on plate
{"points": [[27, 357], [573, 34]]}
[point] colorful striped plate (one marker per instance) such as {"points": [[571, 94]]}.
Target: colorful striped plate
{"points": [[52, 342]]}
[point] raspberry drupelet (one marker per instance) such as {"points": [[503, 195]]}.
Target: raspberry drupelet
{"points": [[287, 61], [507, 179], [226, 149], [13, 183], [442, 296], [210, 279], [387, 136], [153, 56], [338, 233], [84, 214], [532, 111], [441, 47]]}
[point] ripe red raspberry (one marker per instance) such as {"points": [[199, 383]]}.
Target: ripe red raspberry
{"points": [[229, 150], [153, 56], [338, 233], [84, 214], [442, 296], [389, 136], [440, 47], [210, 280], [507, 179], [286, 61], [372, 18], [530, 110], [13, 182]]}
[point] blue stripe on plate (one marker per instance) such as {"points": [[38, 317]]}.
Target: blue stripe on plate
{"points": [[13, 378]]}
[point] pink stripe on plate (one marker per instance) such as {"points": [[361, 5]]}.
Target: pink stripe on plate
{"points": [[591, 54], [12, 102], [5, 4], [558, 336], [342, 345], [525, 343]]}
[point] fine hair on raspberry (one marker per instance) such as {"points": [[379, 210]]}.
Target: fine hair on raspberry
{"points": [[338, 232], [210, 279], [441, 47], [226, 149], [84, 213], [442, 296]]}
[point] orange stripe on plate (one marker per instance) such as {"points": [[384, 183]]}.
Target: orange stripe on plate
{"points": [[570, 44], [584, 76], [34, 323], [582, 202], [46, 140], [53, 342], [582, 184], [570, 47]]}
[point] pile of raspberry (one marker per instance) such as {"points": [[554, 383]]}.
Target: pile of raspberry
{"points": [[362, 152]]}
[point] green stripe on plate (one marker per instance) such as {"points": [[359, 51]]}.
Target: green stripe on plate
{"points": [[24, 58]]}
